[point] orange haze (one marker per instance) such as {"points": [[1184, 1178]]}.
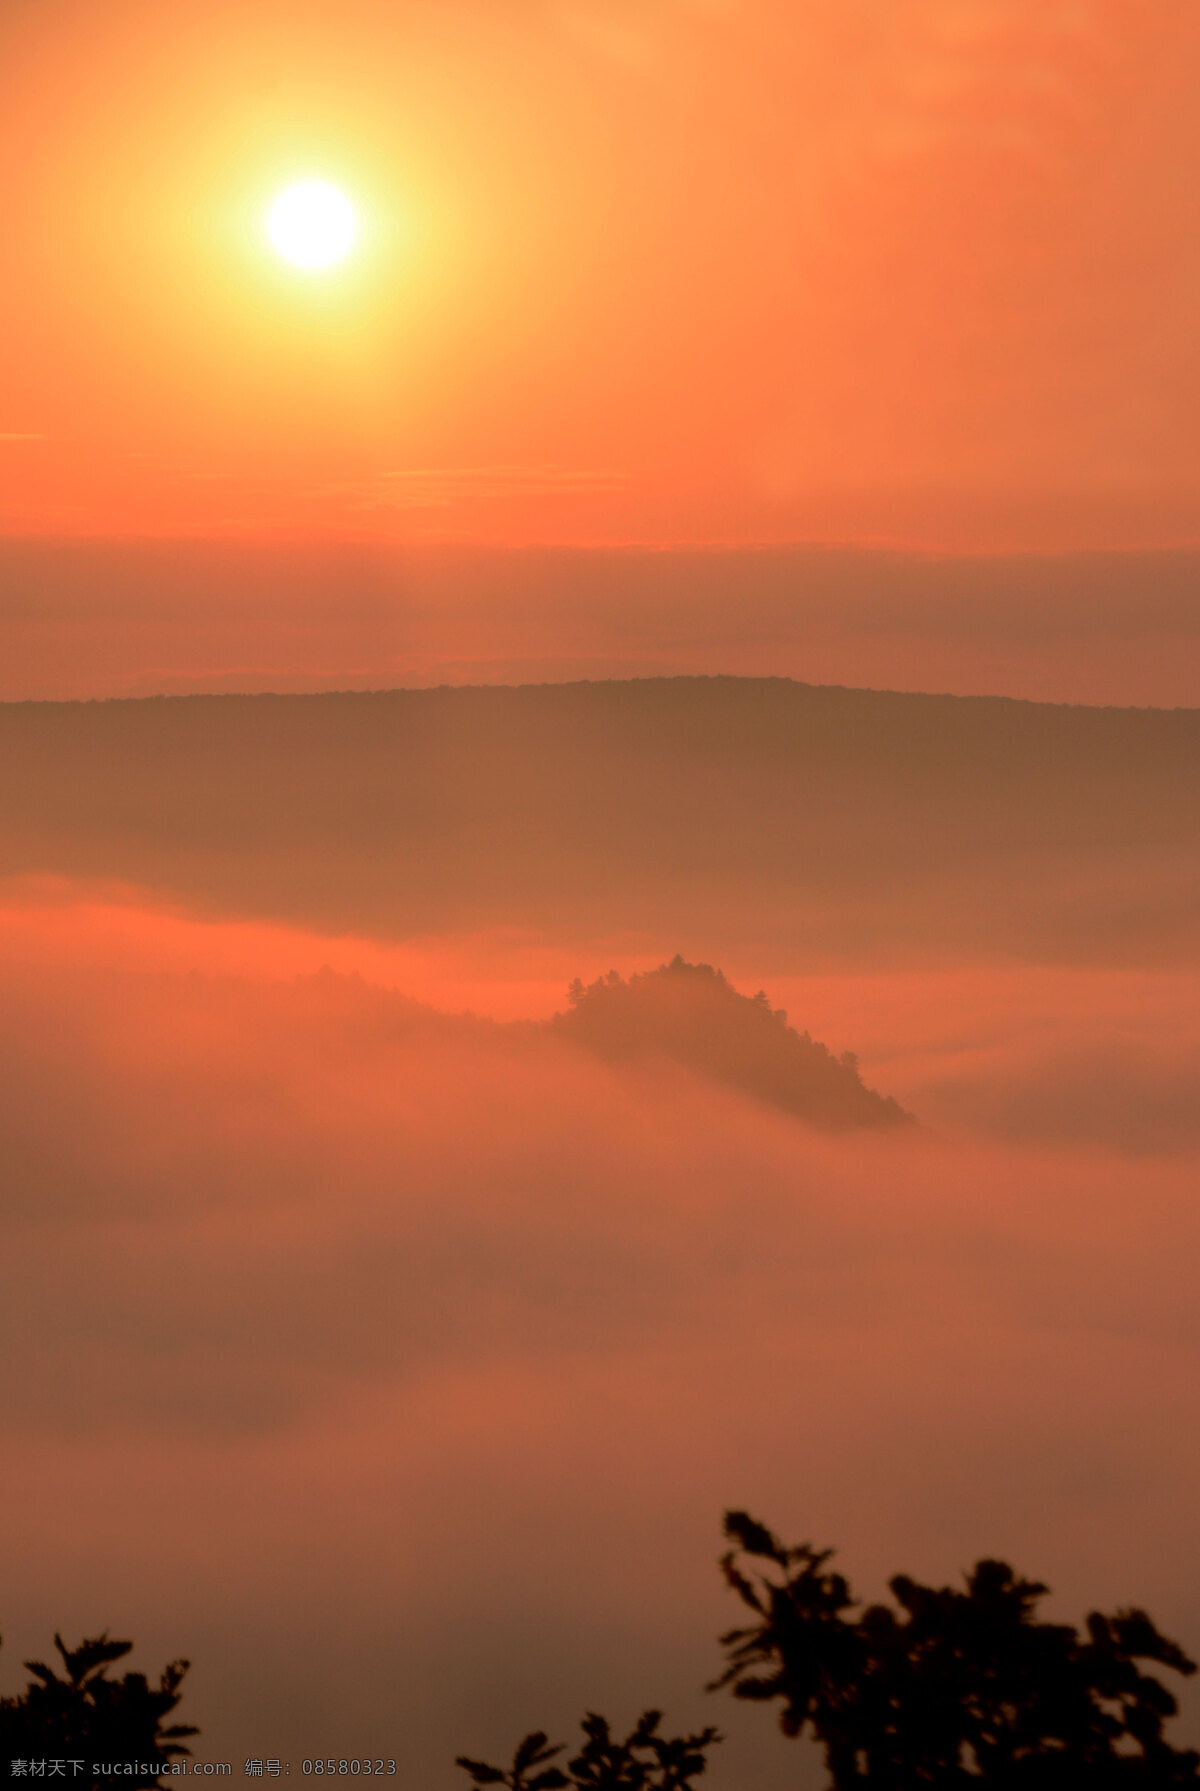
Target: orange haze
{"points": [[364, 1335], [141, 618], [395, 1364]]}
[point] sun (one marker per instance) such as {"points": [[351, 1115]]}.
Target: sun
{"points": [[312, 224]]}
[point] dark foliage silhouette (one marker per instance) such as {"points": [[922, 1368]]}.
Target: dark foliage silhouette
{"points": [[84, 1714], [954, 1689], [690, 1014], [644, 1761]]}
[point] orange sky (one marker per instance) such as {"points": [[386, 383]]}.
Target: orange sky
{"points": [[653, 270]]}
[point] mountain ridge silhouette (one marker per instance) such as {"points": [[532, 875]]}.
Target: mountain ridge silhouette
{"points": [[688, 1015], [845, 826]]}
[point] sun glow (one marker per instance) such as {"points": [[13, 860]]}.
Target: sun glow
{"points": [[312, 224]]}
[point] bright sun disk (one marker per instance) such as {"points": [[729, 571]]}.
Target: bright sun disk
{"points": [[312, 224]]}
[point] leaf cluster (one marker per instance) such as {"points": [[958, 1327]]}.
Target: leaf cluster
{"points": [[954, 1688], [644, 1761], [82, 1711]]}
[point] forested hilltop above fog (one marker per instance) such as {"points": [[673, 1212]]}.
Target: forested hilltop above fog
{"points": [[710, 810], [690, 1014], [684, 1014]]}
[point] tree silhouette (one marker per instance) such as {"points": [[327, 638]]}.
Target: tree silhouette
{"points": [[956, 1688], [644, 1761], [87, 1715]]}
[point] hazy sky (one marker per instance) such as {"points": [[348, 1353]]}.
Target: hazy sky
{"points": [[915, 270]]}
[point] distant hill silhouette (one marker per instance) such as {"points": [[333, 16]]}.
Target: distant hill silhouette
{"points": [[854, 825], [688, 1014], [691, 1015]]}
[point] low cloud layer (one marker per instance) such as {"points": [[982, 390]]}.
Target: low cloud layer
{"points": [[81, 619], [397, 1367]]}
